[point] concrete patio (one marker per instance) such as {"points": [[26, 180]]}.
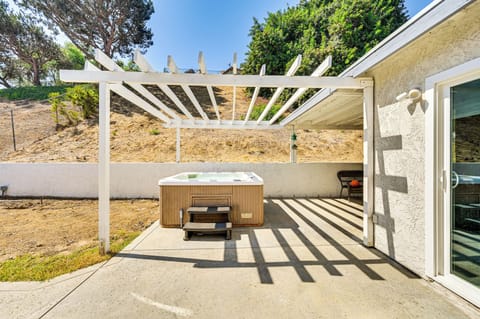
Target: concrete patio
{"points": [[306, 262]]}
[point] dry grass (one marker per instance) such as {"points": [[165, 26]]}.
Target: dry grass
{"points": [[41, 239], [39, 267]]}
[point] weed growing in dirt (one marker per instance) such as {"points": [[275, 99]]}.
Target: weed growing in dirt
{"points": [[154, 131], [38, 268]]}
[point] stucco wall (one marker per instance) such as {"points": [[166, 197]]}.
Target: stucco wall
{"points": [[140, 180], [399, 133]]}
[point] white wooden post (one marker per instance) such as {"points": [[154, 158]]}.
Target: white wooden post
{"points": [[234, 71], [369, 165], [178, 146], [104, 169]]}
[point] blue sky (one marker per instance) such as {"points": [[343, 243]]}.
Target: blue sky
{"points": [[219, 28]]}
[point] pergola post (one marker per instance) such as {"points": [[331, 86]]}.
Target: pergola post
{"points": [[368, 164], [177, 147], [104, 168]]}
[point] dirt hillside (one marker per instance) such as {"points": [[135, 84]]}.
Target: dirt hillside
{"points": [[138, 137]]}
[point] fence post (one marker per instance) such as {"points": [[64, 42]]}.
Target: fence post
{"points": [[13, 131]]}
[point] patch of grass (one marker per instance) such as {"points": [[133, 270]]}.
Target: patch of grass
{"points": [[32, 92], [154, 131], [39, 268]]}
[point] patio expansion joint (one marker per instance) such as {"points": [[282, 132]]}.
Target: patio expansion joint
{"points": [[72, 290]]}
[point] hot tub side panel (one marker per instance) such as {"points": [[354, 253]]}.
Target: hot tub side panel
{"points": [[247, 205], [172, 199], [246, 202]]}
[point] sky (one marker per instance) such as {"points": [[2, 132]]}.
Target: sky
{"points": [[218, 28]]}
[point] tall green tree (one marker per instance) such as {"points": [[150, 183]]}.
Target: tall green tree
{"points": [[73, 58], [113, 26], [23, 39], [11, 70], [345, 29]]}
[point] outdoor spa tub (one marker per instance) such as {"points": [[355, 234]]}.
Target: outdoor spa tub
{"points": [[242, 191]]}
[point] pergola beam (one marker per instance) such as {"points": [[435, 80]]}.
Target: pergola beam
{"points": [[108, 63], [138, 101], [255, 95], [293, 68], [174, 70], [232, 125], [172, 96], [79, 76], [146, 67], [203, 70], [131, 96], [322, 68]]}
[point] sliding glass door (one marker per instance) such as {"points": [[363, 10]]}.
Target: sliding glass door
{"points": [[461, 103]]}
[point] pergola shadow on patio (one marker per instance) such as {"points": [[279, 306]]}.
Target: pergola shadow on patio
{"points": [[303, 234], [307, 261]]}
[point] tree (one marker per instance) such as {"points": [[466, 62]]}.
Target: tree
{"points": [[345, 29], [73, 58], [10, 70], [113, 26], [24, 40]]}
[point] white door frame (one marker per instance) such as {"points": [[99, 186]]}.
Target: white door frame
{"points": [[436, 233]]}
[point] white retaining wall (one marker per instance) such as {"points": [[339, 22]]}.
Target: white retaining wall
{"points": [[140, 180]]}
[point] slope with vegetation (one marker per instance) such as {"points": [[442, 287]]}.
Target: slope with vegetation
{"points": [[138, 137]]}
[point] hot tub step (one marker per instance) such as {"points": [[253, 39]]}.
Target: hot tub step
{"points": [[191, 227], [209, 210]]}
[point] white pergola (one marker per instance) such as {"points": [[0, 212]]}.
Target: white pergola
{"points": [[131, 86]]}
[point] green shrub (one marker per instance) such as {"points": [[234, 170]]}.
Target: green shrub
{"points": [[60, 111], [85, 97], [258, 110]]}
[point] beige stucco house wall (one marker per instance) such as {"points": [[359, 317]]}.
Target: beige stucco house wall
{"points": [[400, 132]]}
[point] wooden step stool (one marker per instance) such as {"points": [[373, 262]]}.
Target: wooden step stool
{"points": [[208, 227]]}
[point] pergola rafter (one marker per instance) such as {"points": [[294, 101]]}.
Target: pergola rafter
{"points": [[255, 95], [144, 66], [172, 66], [203, 70], [293, 69], [132, 86]]}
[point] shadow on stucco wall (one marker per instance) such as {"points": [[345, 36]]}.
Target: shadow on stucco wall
{"points": [[387, 183]]}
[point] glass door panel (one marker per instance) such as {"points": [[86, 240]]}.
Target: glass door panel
{"points": [[465, 181]]}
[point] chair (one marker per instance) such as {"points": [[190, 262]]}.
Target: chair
{"points": [[346, 177]]}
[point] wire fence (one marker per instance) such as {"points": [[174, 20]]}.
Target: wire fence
{"points": [[22, 122]]}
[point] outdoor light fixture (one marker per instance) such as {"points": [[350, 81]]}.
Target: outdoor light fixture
{"points": [[413, 95], [402, 96]]}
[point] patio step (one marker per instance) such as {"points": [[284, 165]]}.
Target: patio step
{"points": [[191, 227]]}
